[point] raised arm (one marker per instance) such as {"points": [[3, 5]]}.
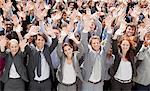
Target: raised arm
{"points": [[98, 27], [53, 45], [109, 30], [84, 41], [78, 43], [3, 43], [107, 44], [60, 42], [141, 55], [84, 33]]}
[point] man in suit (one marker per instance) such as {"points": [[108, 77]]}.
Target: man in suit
{"points": [[40, 69], [93, 69], [142, 80]]}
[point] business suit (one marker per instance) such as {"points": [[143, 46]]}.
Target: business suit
{"points": [[143, 73], [89, 62], [32, 64], [76, 57], [14, 84], [112, 71]]}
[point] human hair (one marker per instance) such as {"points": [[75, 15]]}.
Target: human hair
{"points": [[130, 53], [132, 26], [94, 37], [64, 45], [42, 35], [13, 41], [12, 35]]}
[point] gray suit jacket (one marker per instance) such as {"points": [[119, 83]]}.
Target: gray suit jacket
{"points": [[18, 61], [76, 57], [89, 57], [143, 72]]}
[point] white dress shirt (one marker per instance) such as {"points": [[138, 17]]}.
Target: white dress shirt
{"points": [[69, 74], [13, 72], [96, 72], [45, 69], [124, 71]]}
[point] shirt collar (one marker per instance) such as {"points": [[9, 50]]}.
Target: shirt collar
{"points": [[39, 49]]}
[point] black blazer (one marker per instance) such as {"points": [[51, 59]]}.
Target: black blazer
{"points": [[33, 57], [114, 68], [18, 61]]}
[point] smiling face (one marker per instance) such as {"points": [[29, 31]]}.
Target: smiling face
{"points": [[129, 31], [13, 46], [125, 45], [40, 42], [95, 43], [92, 25], [68, 50]]}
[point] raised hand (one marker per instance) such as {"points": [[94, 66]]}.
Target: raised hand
{"points": [[3, 41], [87, 25], [7, 6], [1, 19], [22, 44], [73, 15], [48, 27], [79, 3], [51, 33], [57, 16], [63, 33], [33, 30], [71, 35], [15, 20], [21, 15], [30, 5]]}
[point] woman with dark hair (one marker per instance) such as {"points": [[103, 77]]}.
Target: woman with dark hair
{"points": [[69, 64], [124, 69]]}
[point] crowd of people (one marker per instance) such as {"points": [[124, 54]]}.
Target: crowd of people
{"points": [[74, 45]]}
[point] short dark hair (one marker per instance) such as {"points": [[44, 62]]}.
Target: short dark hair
{"points": [[42, 35], [12, 35]]}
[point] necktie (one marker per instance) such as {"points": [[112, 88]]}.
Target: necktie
{"points": [[39, 64], [31, 17]]}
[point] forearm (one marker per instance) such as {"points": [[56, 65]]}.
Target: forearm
{"points": [[2, 48], [84, 41]]}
